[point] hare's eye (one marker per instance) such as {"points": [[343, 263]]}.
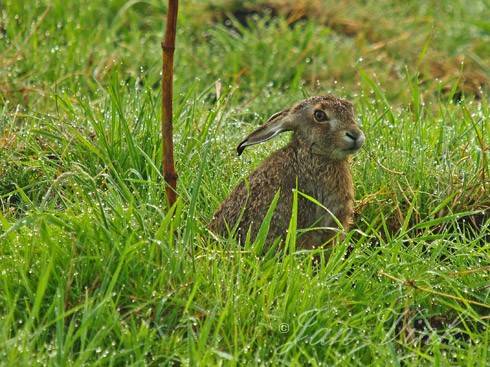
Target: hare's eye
{"points": [[320, 116]]}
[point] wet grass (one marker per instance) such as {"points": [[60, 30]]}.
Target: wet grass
{"points": [[96, 269]]}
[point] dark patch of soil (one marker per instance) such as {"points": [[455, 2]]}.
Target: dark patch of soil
{"points": [[413, 327]]}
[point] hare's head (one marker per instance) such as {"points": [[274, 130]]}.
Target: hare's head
{"points": [[324, 124]]}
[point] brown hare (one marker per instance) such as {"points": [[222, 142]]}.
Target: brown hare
{"points": [[316, 161]]}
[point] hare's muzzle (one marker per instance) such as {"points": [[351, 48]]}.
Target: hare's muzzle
{"points": [[354, 139]]}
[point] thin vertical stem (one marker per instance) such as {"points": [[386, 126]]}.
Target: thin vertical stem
{"points": [[168, 47]]}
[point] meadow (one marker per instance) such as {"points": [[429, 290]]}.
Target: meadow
{"points": [[96, 269]]}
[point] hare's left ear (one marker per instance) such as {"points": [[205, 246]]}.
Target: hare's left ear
{"points": [[276, 124]]}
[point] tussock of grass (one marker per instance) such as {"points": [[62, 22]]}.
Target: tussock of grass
{"points": [[96, 269]]}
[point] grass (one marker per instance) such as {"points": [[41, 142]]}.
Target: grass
{"points": [[95, 269]]}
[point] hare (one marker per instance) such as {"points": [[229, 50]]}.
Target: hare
{"points": [[316, 162]]}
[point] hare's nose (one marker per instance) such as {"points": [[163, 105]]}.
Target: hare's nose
{"points": [[352, 135], [355, 137]]}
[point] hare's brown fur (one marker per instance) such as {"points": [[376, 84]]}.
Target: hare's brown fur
{"points": [[325, 177]]}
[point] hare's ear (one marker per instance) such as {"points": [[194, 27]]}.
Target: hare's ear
{"points": [[276, 124]]}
